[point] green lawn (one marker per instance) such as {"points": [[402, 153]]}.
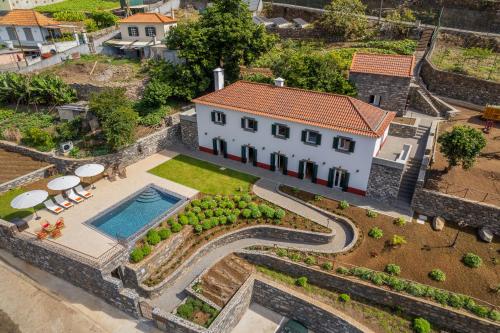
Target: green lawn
{"points": [[79, 6], [203, 176], [7, 212]]}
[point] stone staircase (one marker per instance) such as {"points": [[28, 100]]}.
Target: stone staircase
{"points": [[409, 180], [425, 39]]}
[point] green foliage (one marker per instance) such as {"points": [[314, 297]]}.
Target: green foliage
{"points": [[246, 213], [192, 306], [405, 46], [416, 289], [146, 250], [153, 237], [164, 233], [400, 221], [78, 6], [420, 325], [310, 260], [477, 53], [259, 78], [376, 233], [153, 116], [157, 93], [256, 214], [294, 256], [494, 315], [327, 266], [437, 275], [462, 145], [104, 19], [119, 127], [176, 227], [198, 228], [281, 252], [22, 121], [371, 213], [397, 240], [393, 269], [345, 18], [301, 281], [136, 255], [279, 214], [38, 138], [344, 298], [69, 130], [342, 270], [343, 204], [472, 260], [101, 104], [69, 16], [184, 220], [90, 25]]}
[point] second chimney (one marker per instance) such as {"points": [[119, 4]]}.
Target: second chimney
{"points": [[279, 82], [218, 78]]}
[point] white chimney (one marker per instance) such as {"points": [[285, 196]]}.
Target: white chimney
{"points": [[279, 82], [218, 78], [172, 13]]}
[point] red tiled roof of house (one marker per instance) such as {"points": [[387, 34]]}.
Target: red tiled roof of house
{"points": [[148, 18], [383, 64], [26, 17], [331, 111]]}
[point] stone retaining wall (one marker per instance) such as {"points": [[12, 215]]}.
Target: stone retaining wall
{"points": [[141, 149], [404, 130], [26, 179], [384, 180], [446, 318], [189, 130], [422, 103]]}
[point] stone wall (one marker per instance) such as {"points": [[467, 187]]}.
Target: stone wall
{"points": [[26, 179], [68, 267], [469, 39], [392, 89], [420, 102], [314, 33], [189, 130], [454, 209], [141, 149], [446, 318], [384, 180], [458, 86], [404, 130]]}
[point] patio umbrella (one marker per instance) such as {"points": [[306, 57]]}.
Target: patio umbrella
{"points": [[89, 170], [63, 183], [29, 200]]}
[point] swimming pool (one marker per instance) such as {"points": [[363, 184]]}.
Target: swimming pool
{"points": [[136, 213]]}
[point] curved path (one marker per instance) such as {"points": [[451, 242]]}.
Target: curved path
{"points": [[345, 236]]}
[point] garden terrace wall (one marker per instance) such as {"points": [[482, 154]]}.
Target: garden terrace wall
{"points": [[404, 130], [189, 129], [70, 268], [385, 179], [139, 150], [446, 318], [27, 179]]}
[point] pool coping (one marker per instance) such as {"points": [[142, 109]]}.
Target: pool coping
{"points": [[127, 241]]}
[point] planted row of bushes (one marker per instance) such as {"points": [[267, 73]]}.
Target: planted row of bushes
{"points": [[189, 310]]}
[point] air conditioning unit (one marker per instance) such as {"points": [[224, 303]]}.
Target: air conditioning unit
{"points": [[66, 147]]}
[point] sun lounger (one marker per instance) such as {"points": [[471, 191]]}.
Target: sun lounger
{"points": [[62, 202], [50, 205], [73, 196], [81, 191]]}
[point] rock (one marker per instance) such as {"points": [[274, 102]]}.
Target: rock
{"points": [[485, 234], [438, 223]]}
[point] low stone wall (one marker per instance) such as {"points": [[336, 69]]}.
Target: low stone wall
{"points": [[305, 34], [189, 130], [468, 39], [454, 209], [422, 103], [26, 179], [404, 130], [446, 318], [141, 149], [384, 180]]}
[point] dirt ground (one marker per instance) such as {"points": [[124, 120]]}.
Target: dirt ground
{"points": [[482, 182], [13, 165], [424, 251], [404, 120]]}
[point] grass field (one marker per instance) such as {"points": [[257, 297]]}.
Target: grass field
{"points": [[203, 176], [79, 6], [6, 211]]}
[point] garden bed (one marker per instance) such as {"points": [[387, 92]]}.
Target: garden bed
{"points": [[197, 312], [79, 6], [424, 251]]}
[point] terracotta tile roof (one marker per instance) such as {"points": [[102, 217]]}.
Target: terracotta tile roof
{"points": [[26, 17], [148, 18], [308, 107], [383, 64]]}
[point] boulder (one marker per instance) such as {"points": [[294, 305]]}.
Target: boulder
{"points": [[485, 234], [438, 223]]}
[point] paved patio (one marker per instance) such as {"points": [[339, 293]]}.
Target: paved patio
{"points": [[80, 237]]}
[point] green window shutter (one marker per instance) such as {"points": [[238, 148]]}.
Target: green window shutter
{"points": [[273, 129], [273, 162], [351, 146], [304, 135], [318, 139], [330, 177], [223, 119], [224, 148], [243, 154], [285, 165], [214, 146], [287, 132], [254, 156], [242, 122], [314, 176], [345, 182], [336, 142], [213, 116], [301, 169], [255, 127]]}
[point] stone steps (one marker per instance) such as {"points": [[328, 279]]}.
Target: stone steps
{"points": [[409, 180]]}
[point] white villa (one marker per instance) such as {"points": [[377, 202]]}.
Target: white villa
{"points": [[326, 138], [24, 4]]}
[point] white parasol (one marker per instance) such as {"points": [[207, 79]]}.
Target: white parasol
{"points": [[63, 183], [29, 199], [89, 170]]}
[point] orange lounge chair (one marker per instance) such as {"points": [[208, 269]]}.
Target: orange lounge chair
{"points": [[50, 205], [62, 202], [73, 196]]}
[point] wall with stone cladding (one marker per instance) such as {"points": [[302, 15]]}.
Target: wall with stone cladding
{"points": [[171, 323], [404, 130], [313, 33], [26, 179], [392, 89], [421, 102], [446, 318], [458, 86], [55, 261], [141, 149], [454, 209], [189, 131], [384, 180]]}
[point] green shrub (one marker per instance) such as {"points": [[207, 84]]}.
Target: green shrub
{"points": [[397, 240], [327, 266], [219, 212], [480, 311], [193, 220], [201, 216], [236, 198], [343, 204], [295, 256], [457, 300], [393, 269], [396, 283], [301, 281], [376, 233], [377, 278], [281, 252], [441, 296], [400, 221], [164, 233], [184, 220], [344, 298], [416, 289], [437, 275], [104, 19], [209, 213], [494, 315], [214, 221], [256, 214], [153, 237], [252, 206], [90, 25], [196, 209], [196, 203], [246, 213], [310, 260], [279, 214], [176, 227], [206, 225], [136, 255], [342, 270], [420, 325], [236, 212], [38, 138], [371, 213], [119, 127], [69, 16], [362, 272], [223, 220], [246, 197], [146, 250], [472, 260], [185, 310], [232, 219]]}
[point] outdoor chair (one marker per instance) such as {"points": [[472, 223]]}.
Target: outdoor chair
{"points": [[62, 202], [46, 226], [56, 233], [73, 196], [50, 205], [81, 191], [60, 223], [42, 234]]}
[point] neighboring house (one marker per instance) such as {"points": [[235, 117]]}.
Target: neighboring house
{"points": [[29, 30], [382, 79], [325, 138], [255, 6], [24, 4], [140, 32]]}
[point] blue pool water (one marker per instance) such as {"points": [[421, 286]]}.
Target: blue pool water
{"points": [[128, 218]]}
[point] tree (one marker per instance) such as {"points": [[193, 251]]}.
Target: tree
{"points": [[101, 104], [345, 18], [119, 127], [461, 146]]}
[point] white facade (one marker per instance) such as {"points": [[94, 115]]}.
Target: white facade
{"points": [[160, 29], [24, 4], [357, 163], [38, 34]]}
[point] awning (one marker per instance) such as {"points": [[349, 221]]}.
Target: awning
{"points": [[125, 44]]}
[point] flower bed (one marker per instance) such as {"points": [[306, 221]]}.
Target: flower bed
{"points": [[197, 312]]}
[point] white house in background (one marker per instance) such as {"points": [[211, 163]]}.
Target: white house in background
{"points": [[255, 6], [140, 33], [24, 4], [325, 138]]}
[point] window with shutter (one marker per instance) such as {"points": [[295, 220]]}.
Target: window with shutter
{"points": [[218, 117], [249, 124], [343, 144], [150, 31], [133, 31], [281, 131], [311, 137]]}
